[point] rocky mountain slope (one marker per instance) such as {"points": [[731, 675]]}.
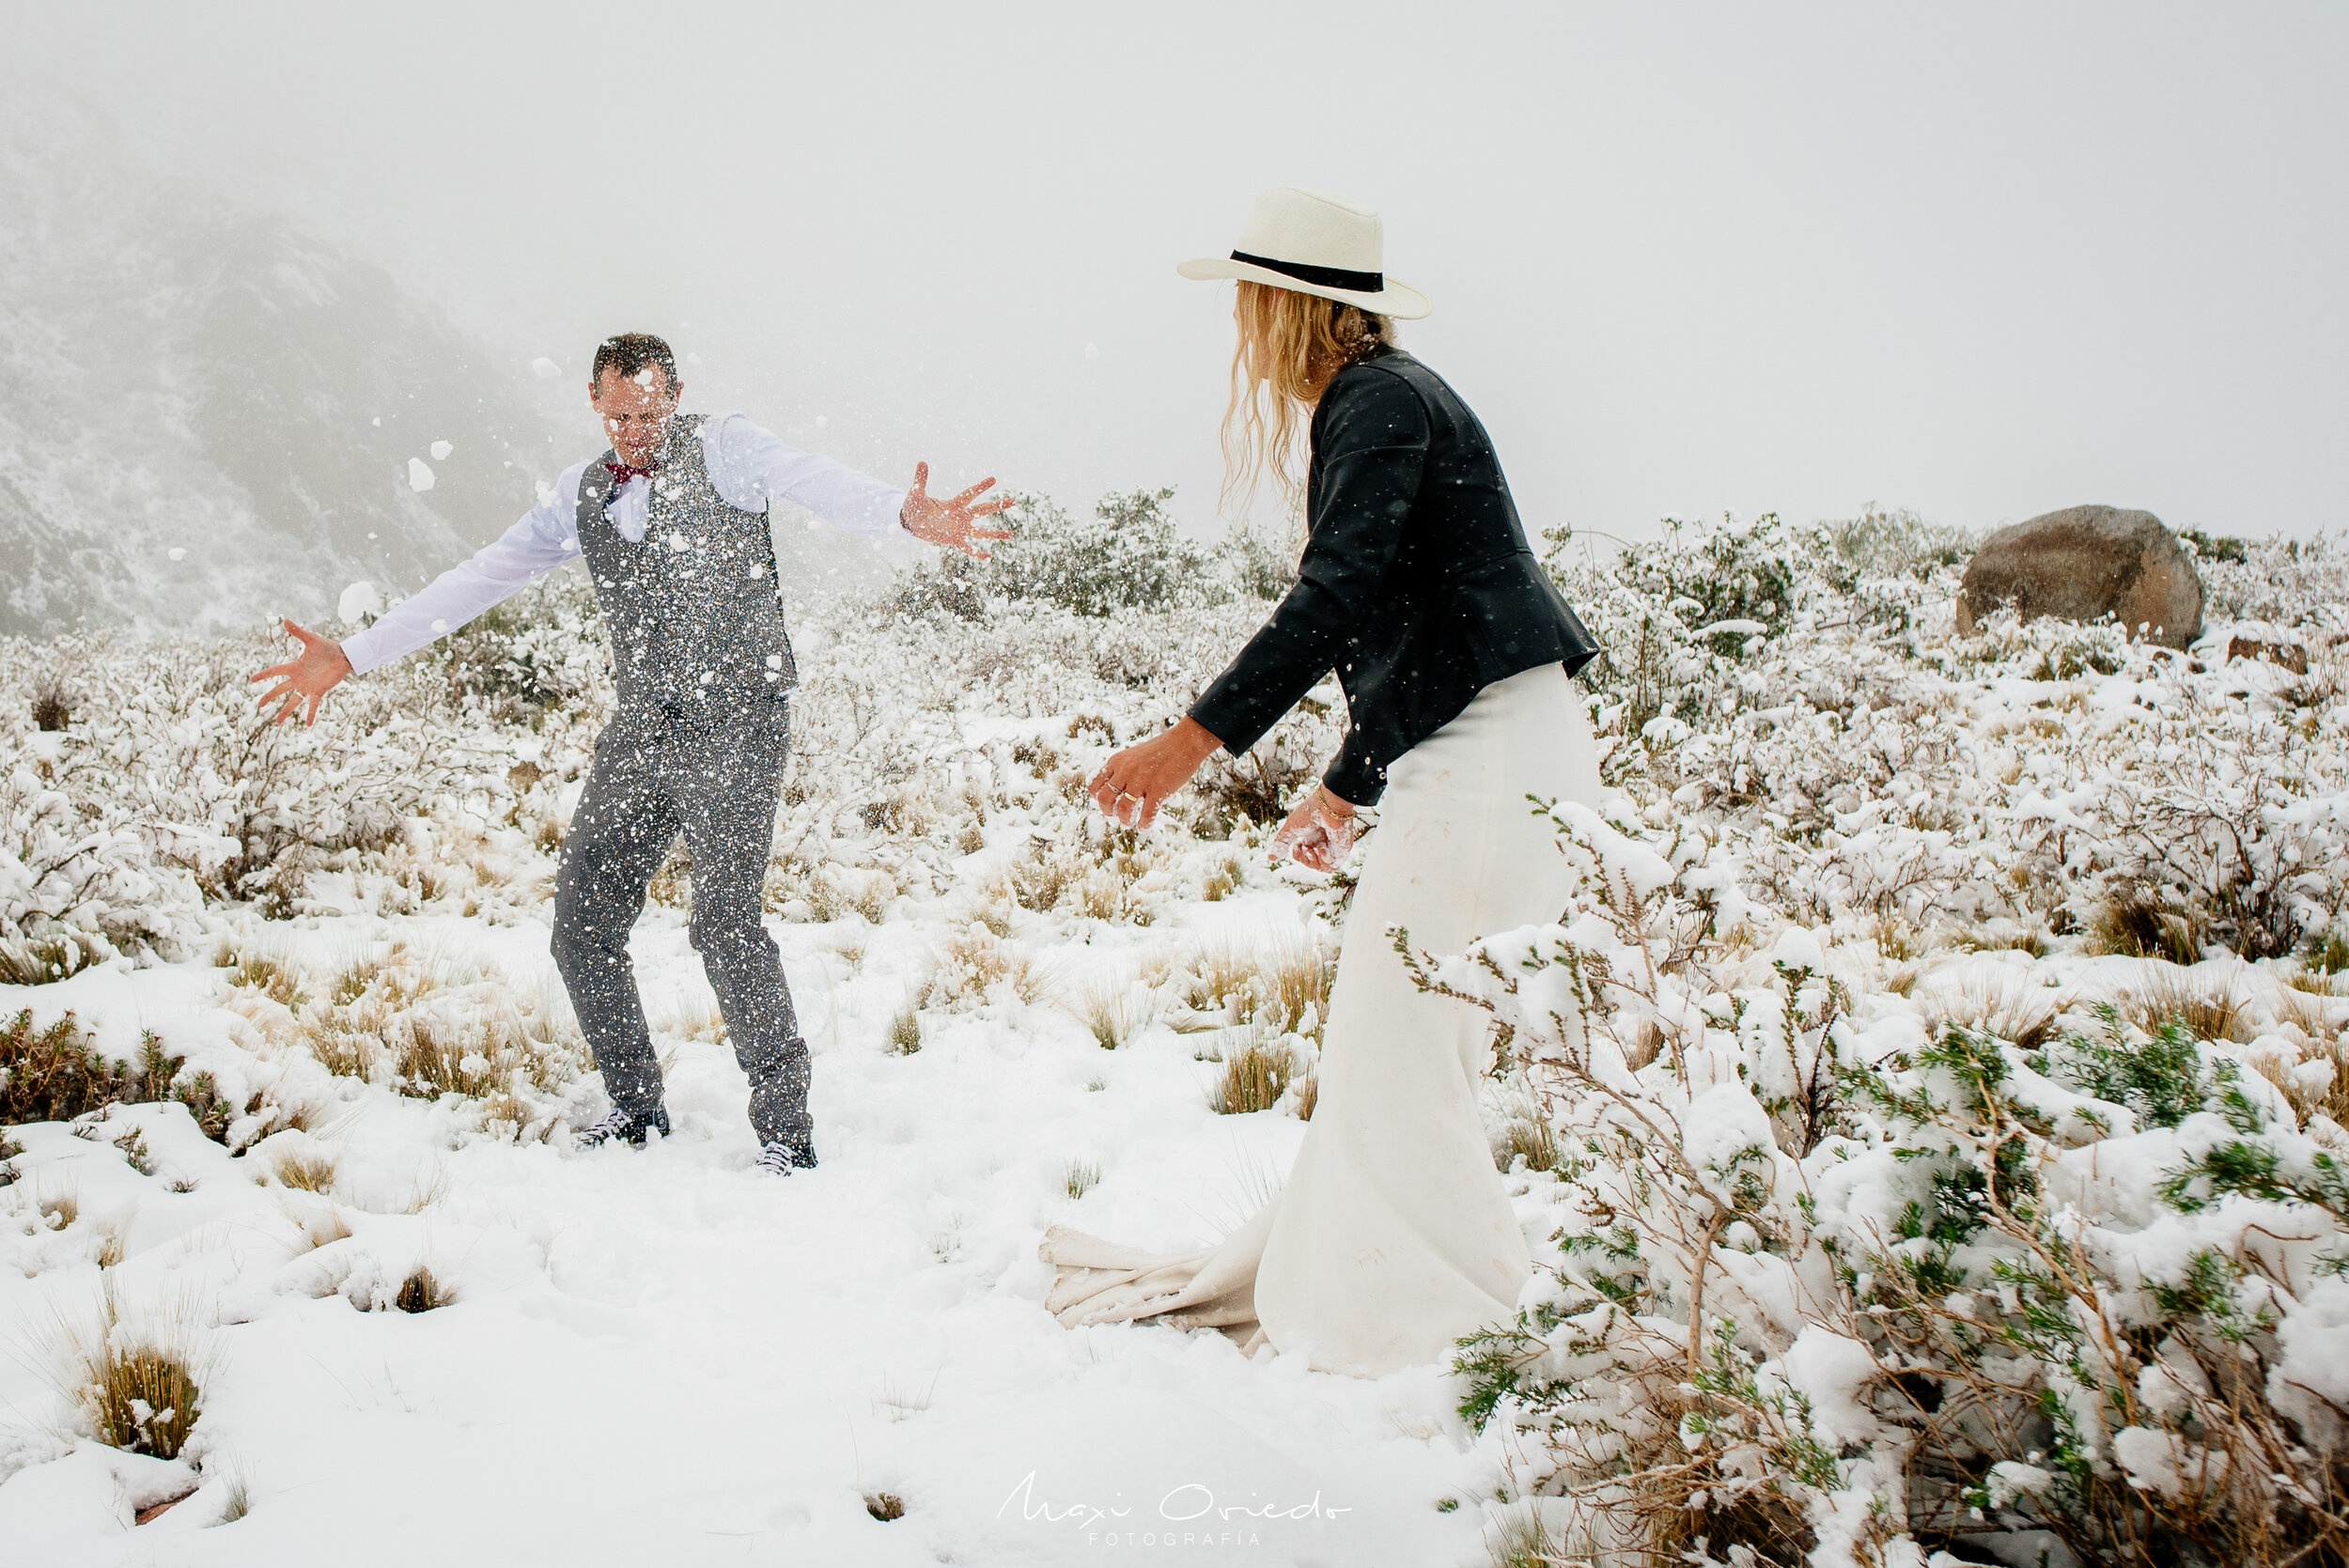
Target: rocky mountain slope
{"points": [[207, 416]]}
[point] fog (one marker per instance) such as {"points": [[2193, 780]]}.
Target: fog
{"points": [[1980, 261]]}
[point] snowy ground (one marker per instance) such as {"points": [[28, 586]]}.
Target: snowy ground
{"points": [[1855, 838], [665, 1356]]}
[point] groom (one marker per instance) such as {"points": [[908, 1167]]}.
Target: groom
{"points": [[672, 523]]}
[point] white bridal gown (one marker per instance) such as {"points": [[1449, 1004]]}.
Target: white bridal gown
{"points": [[1392, 1235]]}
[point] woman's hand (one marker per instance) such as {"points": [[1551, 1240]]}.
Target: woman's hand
{"points": [[1320, 834], [1131, 785]]}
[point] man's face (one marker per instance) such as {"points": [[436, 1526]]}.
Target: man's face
{"points": [[635, 412]]}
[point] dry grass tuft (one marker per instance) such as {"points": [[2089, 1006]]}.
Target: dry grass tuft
{"points": [[2129, 924], [431, 1058], [978, 960], [427, 1026], [307, 1170], [672, 886], [1281, 984], [1221, 975], [1041, 881], [1254, 1079], [699, 1022], [423, 1291], [1521, 1539], [2310, 1075], [2166, 995], [1223, 881], [2334, 1099], [1897, 940], [898, 1401], [271, 977], [60, 1205], [1110, 1014], [827, 899], [316, 1225], [1297, 976], [429, 1189], [2003, 1005], [140, 1387], [1102, 895], [1532, 1139], [1305, 1093], [2004, 936], [342, 1050], [908, 812], [2311, 982], [905, 1031], [236, 1498], [42, 960], [1082, 1177]]}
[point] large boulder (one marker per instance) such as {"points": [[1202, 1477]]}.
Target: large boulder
{"points": [[2085, 563]]}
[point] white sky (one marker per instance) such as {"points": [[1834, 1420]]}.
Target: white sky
{"points": [[1980, 260]]}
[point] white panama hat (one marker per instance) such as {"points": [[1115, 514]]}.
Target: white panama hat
{"points": [[1315, 244]]}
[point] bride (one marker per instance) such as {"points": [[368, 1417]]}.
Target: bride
{"points": [[1393, 1235]]}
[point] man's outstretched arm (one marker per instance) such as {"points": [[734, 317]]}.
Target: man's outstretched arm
{"points": [[750, 465], [542, 541]]}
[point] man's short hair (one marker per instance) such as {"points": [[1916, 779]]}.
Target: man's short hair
{"points": [[629, 353]]}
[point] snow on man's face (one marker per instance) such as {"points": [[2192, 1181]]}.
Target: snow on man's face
{"points": [[635, 412]]}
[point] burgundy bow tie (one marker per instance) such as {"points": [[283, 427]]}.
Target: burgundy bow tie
{"points": [[622, 473]]}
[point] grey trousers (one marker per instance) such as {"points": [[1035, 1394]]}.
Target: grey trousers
{"points": [[718, 783]]}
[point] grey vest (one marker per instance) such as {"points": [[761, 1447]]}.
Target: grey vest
{"points": [[694, 613]]}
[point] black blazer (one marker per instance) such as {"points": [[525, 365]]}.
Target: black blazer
{"points": [[1416, 583]]}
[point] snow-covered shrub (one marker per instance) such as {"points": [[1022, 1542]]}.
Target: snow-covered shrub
{"points": [[1802, 1180], [1896, 543], [1129, 554], [169, 788], [1806, 702], [1833, 1282], [540, 652]]}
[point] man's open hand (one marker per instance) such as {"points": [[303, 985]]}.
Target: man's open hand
{"points": [[948, 522], [309, 678]]}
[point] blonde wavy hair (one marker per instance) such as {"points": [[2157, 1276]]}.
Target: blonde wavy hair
{"points": [[1290, 346]]}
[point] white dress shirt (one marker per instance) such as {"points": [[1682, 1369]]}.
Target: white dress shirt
{"points": [[748, 466]]}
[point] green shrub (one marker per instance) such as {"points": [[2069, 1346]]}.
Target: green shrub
{"points": [[55, 1075]]}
